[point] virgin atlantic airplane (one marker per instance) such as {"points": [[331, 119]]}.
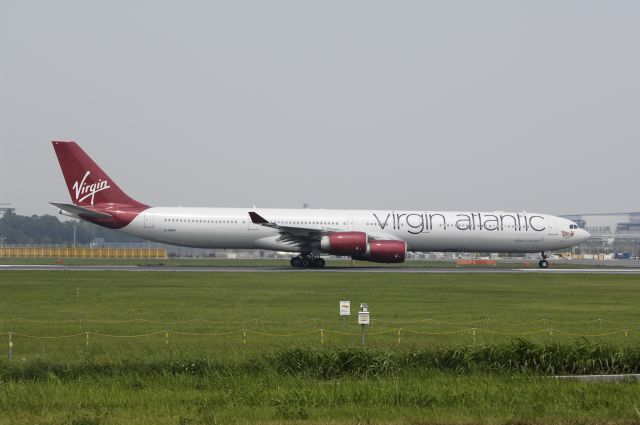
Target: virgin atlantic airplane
{"points": [[382, 236]]}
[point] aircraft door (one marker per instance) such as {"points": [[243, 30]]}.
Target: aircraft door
{"points": [[148, 221], [552, 225]]}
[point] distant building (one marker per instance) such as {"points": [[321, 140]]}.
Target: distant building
{"points": [[617, 234], [609, 224], [6, 208]]}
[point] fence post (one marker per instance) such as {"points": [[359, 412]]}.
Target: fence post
{"points": [[166, 337], [321, 336], [10, 347], [244, 337], [398, 336], [87, 338], [474, 335]]}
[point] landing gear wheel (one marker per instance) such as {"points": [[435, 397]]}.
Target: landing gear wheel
{"points": [[305, 262], [296, 262], [318, 262], [543, 264]]}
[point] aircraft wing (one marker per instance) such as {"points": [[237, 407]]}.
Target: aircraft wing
{"points": [[298, 234], [303, 234], [76, 211]]}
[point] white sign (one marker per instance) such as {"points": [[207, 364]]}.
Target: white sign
{"points": [[345, 308], [363, 317]]}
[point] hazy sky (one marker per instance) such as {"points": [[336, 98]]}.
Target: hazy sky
{"points": [[480, 105]]}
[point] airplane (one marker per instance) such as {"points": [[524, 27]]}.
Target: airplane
{"points": [[381, 236]]}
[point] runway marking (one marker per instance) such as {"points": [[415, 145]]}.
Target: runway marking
{"points": [[600, 378], [608, 271]]}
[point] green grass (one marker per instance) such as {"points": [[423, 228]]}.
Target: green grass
{"points": [[280, 371], [417, 398]]}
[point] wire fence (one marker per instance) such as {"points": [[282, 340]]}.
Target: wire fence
{"points": [[322, 331]]}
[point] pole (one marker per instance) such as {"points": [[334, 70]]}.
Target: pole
{"points": [[10, 347], [362, 334], [75, 224]]}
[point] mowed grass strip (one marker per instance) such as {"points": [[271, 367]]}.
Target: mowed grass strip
{"points": [[238, 313]]}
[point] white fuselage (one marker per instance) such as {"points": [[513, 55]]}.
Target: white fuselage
{"points": [[422, 230]]}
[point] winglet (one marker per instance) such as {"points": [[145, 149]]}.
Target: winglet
{"points": [[257, 218]]}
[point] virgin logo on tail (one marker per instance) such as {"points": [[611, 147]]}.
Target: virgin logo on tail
{"points": [[89, 190]]}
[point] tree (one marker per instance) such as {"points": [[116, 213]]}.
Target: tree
{"points": [[49, 230]]}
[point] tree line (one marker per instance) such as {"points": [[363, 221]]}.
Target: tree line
{"points": [[49, 230]]}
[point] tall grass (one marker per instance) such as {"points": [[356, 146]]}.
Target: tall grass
{"points": [[519, 356], [350, 385]]}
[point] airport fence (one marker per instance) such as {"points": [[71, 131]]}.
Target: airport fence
{"points": [[261, 332], [67, 252]]}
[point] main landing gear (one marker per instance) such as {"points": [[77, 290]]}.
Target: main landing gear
{"points": [[543, 263], [307, 261]]}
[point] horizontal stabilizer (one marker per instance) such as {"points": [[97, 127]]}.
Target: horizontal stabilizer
{"points": [[77, 210]]}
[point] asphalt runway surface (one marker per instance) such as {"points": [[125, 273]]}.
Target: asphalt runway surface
{"points": [[632, 271]]}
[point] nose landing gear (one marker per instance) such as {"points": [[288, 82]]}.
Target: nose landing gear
{"points": [[543, 264], [307, 261]]}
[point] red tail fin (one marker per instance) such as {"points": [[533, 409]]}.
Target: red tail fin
{"points": [[88, 185]]}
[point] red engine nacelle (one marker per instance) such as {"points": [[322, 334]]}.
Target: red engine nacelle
{"points": [[344, 243], [385, 252]]}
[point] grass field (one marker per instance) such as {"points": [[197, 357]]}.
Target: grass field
{"points": [[248, 348]]}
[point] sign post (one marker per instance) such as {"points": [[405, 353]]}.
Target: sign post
{"points": [[345, 311], [363, 320], [10, 348]]}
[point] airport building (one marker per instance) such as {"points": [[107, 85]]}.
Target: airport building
{"points": [[613, 235], [6, 208]]}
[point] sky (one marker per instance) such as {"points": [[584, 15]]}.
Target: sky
{"points": [[449, 105]]}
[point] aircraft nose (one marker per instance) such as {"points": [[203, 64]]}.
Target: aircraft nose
{"points": [[584, 235]]}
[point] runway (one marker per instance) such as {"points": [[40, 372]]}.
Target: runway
{"points": [[406, 270]]}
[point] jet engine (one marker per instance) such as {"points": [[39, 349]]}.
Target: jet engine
{"points": [[344, 243], [386, 251]]}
